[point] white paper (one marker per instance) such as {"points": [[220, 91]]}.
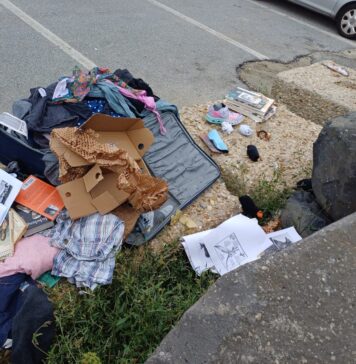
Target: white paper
{"points": [[235, 242], [14, 123], [9, 189], [197, 253], [281, 239]]}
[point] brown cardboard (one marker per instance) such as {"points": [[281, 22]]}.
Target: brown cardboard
{"points": [[97, 190]]}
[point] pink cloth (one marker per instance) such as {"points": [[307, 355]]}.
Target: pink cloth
{"points": [[33, 256], [148, 101]]}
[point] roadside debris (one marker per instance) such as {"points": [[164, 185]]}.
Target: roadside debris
{"points": [[336, 68], [251, 104], [235, 242]]}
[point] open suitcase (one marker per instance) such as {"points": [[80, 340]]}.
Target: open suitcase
{"points": [[175, 157]]}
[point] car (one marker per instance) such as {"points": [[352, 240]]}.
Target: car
{"points": [[343, 11]]}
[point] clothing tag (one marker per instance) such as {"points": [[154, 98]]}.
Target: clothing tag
{"points": [[24, 286], [42, 92]]}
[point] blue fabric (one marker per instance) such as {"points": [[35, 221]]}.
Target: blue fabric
{"points": [[10, 301], [99, 106], [219, 144], [116, 100]]}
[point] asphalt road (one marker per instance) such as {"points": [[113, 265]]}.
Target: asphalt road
{"points": [[187, 50]]}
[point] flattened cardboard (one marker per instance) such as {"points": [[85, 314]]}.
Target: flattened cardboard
{"points": [[95, 192]]}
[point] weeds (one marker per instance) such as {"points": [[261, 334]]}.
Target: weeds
{"points": [[269, 195], [124, 322]]}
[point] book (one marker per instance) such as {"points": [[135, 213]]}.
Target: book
{"points": [[35, 222], [252, 114], [9, 189], [40, 197], [248, 102], [11, 231]]}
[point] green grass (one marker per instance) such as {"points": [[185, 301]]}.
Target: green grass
{"points": [[125, 321], [270, 195]]}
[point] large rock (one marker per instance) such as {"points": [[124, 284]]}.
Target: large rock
{"points": [[304, 213], [334, 170], [296, 306]]}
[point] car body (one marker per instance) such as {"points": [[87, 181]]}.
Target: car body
{"points": [[326, 7], [343, 11]]}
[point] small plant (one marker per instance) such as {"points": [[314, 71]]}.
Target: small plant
{"points": [[271, 195], [90, 358]]}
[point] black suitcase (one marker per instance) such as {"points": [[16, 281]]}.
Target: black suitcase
{"points": [[13, 148]]}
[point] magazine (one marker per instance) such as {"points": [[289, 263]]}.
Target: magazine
{"points": [[9, 189]]}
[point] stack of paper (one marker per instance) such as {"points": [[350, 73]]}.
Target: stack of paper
{"points": [[235, 242], [251, 104]]}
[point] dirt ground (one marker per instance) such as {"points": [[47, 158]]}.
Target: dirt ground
{"points": [[288, 152]]}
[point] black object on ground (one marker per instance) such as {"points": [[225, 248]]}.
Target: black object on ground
{"points": [[249, 208], [253, 153]]}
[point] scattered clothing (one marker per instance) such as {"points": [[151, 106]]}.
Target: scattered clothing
{"points": [[46, 114], [9, 302], [226, 127], [249, 207], [217, 141], [87, 248], [33, 256], [32, 327], [253, 153], [51, 170], [245, 130]]}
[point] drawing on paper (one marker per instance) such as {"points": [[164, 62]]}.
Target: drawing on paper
{"points": [[230, 252]]}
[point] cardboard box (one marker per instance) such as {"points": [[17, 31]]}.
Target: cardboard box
{"points": [[97, 191]]}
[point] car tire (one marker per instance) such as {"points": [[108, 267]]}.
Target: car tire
{"points": [[346, 21]]}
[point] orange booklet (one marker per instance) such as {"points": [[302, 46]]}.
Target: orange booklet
{"points": [[40, 197]]}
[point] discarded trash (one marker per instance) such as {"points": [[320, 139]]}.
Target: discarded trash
{"points": [[245, 130], [226, 127], [218, 143], [251, 104], [264, 135], [218, 113], [208, 143], [237, 241], [336, 68], [249, 208], [14, 123], [253, 153]]}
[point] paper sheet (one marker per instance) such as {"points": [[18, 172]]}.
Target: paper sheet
{"points": [[197, 253], [281, 239], [235, 242]]}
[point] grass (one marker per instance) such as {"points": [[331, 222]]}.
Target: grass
{"points": [[125, 321], [269, 195]]}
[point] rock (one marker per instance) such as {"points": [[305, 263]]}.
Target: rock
{"points": [[334, 170], [303, 212], [298, 310]]}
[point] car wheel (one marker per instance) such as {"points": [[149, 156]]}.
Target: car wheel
{"points": [[346, 21]]}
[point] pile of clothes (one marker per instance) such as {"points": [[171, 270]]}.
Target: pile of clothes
{"points": [[82, 249]]}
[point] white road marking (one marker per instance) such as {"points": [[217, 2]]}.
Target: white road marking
{"points": [[60, 43], [304, 23], [215, 33]]}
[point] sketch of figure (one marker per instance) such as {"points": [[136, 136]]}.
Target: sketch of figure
{"points": [[280, 242], [230, 252]]}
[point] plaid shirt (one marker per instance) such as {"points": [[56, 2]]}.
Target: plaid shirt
{"points": [[87, 248]]}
